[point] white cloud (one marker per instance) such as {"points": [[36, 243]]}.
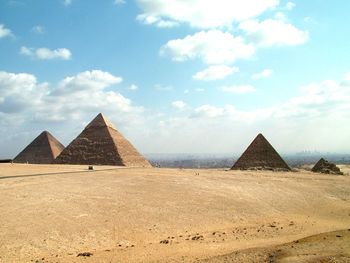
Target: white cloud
{"points": [[72, 97], [199, 89], [46, 54], [209, 111], [347, 77], [133, 87], [290, 6], [328, 99], [215, 72], [67, 2], [19, 92], [203, 13], [119, 2], [263, 74], [238, 89], [212, 47], [178, 104], [309, 20], [272, 32], [5, 32], [38, 29], [152, 20], [91, 81], [281, 17]]}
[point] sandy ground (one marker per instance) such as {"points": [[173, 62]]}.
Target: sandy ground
{"points": [[51, 213]]}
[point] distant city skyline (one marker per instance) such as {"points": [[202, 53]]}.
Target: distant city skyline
{"points": [[196, 76]]}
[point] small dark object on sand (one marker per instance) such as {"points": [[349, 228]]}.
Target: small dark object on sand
{"points": [[91, 167], [85, 254]]}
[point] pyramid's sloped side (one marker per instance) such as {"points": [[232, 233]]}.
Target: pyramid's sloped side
{"points": [[129, 155], [319, 165], [55, 145], [260, 154], [37, 152], [92, 146]]}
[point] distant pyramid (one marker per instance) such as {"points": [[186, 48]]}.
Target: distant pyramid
{"points": [[101, 144], [260, 155], [323, 166], [43, 150]]}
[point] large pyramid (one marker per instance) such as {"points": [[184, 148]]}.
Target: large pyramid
{"points": [[260, 155], [101, 144], [43, 150]]}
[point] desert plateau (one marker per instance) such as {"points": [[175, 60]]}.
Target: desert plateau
{"points": [[67, 213]]}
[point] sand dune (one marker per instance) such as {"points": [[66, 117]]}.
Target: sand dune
{"points": [[53, 213]]}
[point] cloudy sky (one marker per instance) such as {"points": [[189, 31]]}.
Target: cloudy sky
{"points": [[176, 76]]}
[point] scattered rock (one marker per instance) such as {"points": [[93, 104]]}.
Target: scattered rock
{"points": [[85, 254], [197, 237], [165, 241]]}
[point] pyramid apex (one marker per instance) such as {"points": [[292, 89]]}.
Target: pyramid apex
{"points": [[260, 137], [44, 133], [100, 121]]}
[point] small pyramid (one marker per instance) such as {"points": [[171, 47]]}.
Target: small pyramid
{"points": [[260, 155], [101, 144], [43, 150], [323, 166]]}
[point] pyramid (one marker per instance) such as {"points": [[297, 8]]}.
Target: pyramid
{"points": [[43, 150], [260, 155], [323, 166], [101, 144]]}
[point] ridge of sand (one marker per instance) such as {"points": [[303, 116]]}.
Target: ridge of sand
{"points": [[324, 247]]}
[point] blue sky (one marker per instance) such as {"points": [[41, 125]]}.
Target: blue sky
{"points": [[195, 76]]}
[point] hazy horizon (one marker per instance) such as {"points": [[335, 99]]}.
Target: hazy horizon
{"points": [[193, 77]]}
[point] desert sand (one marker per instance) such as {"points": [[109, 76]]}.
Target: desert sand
{"points": [[53, 213]]}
